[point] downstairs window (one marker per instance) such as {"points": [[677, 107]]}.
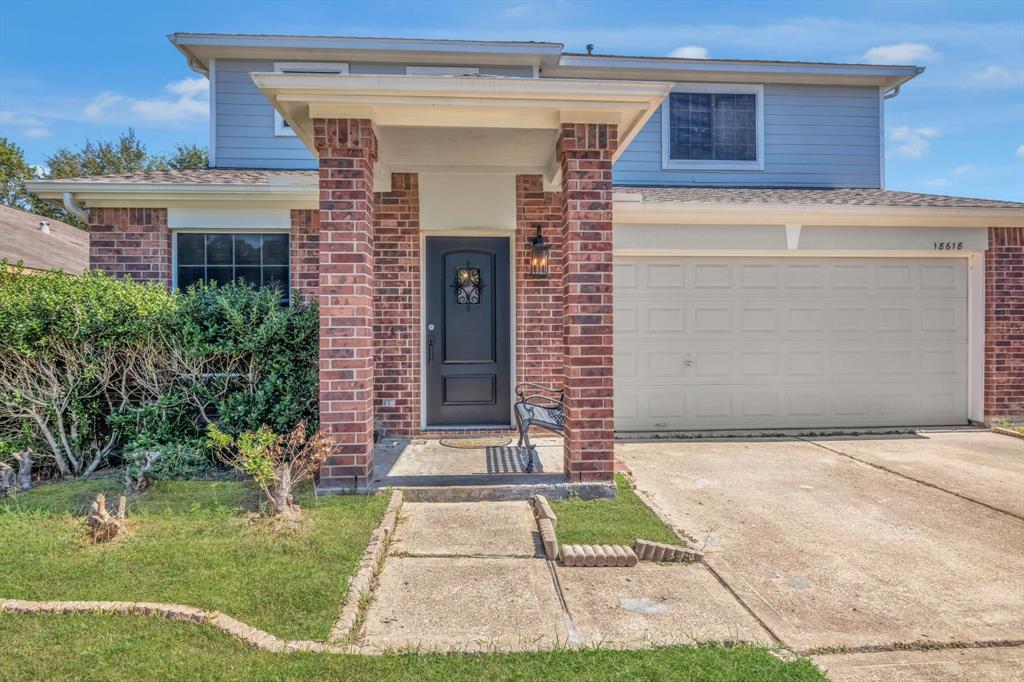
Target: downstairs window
{"points": [[258, 258]]}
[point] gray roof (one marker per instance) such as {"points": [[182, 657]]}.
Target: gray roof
{"points": [[209, 176], [650, 194], [807, 196]]}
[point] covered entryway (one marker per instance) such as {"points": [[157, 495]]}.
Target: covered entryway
{"points": [[789, 342]]}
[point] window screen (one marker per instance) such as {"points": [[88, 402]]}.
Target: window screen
{"points": [[712, 127]]}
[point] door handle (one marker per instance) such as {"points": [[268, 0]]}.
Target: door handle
{"points": [[430, 348]]}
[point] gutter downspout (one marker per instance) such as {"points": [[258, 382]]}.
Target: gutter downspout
{"points": [[74, 208]]}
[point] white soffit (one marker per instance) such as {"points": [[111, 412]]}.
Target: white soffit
{"points": [[457, 201], [461, 101], [231, 218]]}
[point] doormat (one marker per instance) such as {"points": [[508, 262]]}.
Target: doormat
{"points": [[476, 442]]}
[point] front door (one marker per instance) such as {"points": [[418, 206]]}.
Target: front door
{"points": [[467, 331]]}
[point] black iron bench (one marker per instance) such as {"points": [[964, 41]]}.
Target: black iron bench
{"points": [[536, 406]]}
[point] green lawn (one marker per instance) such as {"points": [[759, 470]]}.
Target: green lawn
{"points": [[618, 521], [190, 542], [84, 647]]}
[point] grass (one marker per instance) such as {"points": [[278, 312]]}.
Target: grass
{"points": [[1012, 426], [85, 647], [189, 542], [618, 521]]}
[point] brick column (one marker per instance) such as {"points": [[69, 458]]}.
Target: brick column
{"points": [[347, 149], [1004, 324], [585, 154]]}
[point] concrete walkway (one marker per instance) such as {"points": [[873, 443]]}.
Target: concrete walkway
{"points": [[473, 577]]}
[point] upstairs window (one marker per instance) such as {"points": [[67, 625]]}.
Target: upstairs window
{"points": [[258, 258], [713, 127], [281, 126]]}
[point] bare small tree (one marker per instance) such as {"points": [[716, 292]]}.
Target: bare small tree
{"points": [[276, 463]]}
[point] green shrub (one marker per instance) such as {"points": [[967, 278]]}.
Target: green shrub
{"points": [[70, 348], [92, 363], [265, 356], [180, 461]]}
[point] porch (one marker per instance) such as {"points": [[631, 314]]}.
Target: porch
{"points": [[426, 181], [429, 470]]}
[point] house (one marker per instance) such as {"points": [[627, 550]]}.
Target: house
{"points": [[41, 243], [685, 244]]}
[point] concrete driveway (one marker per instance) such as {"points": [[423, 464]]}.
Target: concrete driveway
{"points": [[859, 543]]}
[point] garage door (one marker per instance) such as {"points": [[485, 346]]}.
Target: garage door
{"points": [[747, 343]]}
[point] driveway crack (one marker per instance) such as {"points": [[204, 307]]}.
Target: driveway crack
{"points": [[887, 470]]}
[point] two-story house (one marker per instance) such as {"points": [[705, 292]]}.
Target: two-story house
{"points": [[683, 244]]}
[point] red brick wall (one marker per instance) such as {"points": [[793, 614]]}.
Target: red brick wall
{"points": [[396, 306], [304, 259], [1004, 324], [131, 241], [585, 154], [538, 300], [347, 149]]}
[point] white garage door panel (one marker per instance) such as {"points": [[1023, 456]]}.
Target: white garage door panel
{"points": [[704, 343]]}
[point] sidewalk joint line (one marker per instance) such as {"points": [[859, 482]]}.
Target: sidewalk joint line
{"points": [[887, 470]]}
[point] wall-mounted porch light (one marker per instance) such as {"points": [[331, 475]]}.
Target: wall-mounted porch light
{"points": [[539, 256]]}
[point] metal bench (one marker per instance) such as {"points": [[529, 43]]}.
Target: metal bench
{"points": [[536, 406]]}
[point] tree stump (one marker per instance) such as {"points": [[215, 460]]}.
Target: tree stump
{"points": [[105, 526], [7, 478]]}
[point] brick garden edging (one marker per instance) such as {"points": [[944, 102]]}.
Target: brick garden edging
{"points": [[1007, 432], [362, 583], [351, 613], [605, 555], [252, 636]]}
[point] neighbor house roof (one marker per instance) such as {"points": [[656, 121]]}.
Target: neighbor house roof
{"points": [[42, 243]]}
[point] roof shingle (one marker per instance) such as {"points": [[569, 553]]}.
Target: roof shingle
{"points": [[807, 196]]}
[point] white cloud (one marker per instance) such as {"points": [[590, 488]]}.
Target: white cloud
{"points": [[900, 53], [29, 126], [190, 100], [911, 143], [690, 52], [1020, 151], [937, 182], [998, 76], [963, 169]]}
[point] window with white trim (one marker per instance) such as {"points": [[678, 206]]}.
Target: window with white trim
{"points": [[713, 127], [281, 126], [260, 258]]}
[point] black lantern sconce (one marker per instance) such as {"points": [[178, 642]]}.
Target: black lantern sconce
{"points": [[539, 251]]}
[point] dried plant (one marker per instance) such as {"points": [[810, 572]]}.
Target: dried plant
{"points": [[277, 463]]}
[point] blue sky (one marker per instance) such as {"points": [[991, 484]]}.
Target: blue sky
{"points": [[76, 70]]}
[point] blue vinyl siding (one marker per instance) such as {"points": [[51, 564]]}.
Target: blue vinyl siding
{"points": [[245, 119], [815, 136]]}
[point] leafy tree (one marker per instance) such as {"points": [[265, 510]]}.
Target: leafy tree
{"points": [[14, 173], [127, 155], [187, 157]]}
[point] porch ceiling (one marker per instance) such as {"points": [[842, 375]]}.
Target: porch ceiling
{"points": [[473, 124]]}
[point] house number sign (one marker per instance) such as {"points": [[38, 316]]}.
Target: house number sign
{"points": [[948, 246]]}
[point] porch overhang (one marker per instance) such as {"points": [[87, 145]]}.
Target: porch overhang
{"points": [[473, 124]]}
